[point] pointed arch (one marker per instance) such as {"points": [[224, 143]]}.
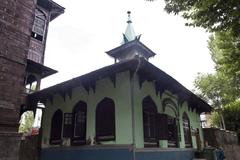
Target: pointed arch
{"points": [[172, 121], [105, 120], [56, 127], [187, 130], [168, 103], [79, 123], [149, 110]]}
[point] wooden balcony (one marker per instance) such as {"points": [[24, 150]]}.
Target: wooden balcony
{"points": [[36, 50]]}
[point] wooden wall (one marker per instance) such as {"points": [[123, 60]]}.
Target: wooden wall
{"points": [[16, 19]]}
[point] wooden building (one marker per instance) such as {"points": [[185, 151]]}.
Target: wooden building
{"points": [[128, 110], [23, 33]]}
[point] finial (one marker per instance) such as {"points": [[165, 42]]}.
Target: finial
{"points": [[129, 17], [128, 12]]}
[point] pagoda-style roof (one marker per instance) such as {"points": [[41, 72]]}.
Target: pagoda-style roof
{"points": [[146, 72], [39, 69], [52, 7], [126, 48], [131, 46]]}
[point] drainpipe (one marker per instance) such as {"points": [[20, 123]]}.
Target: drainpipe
{"points": [[132, 108]]}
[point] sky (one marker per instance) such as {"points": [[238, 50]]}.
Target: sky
{"points": [[78, 39]]}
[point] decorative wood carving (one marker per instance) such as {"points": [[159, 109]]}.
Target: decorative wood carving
{"points": [[113, 79], [63, 94], [93, 86], [141, 79], [86, 87], [69, 93]]}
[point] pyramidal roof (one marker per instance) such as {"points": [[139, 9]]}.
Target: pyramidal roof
{"points": [[129, 34]]}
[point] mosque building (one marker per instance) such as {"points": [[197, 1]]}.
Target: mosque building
{"points": [[128, 110]]}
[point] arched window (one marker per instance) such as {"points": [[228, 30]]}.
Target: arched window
{"points": [[79, 123], [105, 120], [149, 122], [56, 127], [187, 131], [170, 108]]}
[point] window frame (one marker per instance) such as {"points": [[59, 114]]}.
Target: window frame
{"points": [[105, 107], [173, 142], [56, 128], [67, 125], [81, 106], [187, 131], [172, 127], [149, 113], [39, 16]]}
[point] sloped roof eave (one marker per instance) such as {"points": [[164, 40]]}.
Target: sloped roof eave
{"points": [[130, 65], [135, 43]]}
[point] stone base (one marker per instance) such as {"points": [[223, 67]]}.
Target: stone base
{"points": [[114, 153], [9, 146]]}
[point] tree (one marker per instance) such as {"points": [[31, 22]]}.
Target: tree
{"points": [[26, 122], [222, 18], [231, 114], [214, 88], [215, 120], [217, 91], [225, 51], [213, 15]]}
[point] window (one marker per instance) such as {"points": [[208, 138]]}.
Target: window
{"points": [[105, 120], [187, 131], [67, 127], [56, 128], [149, 122], [172, 132], [171, 109], [162, 126], [79, 123], [38, 29]]}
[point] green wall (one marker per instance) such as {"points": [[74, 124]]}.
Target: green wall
{"points": [[121, 94], [148, 89], [104, 88]]}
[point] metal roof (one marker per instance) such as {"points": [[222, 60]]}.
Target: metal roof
{"points": [[129, 33]]}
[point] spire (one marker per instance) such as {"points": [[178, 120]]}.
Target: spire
{"points": [[131, 46], [129, 33]]}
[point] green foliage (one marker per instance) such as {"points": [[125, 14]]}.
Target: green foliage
{"points": [[214, 15], [221, 89], [215, 120], [214, 88], [26, 122], [225, 51], [231, 113]]}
